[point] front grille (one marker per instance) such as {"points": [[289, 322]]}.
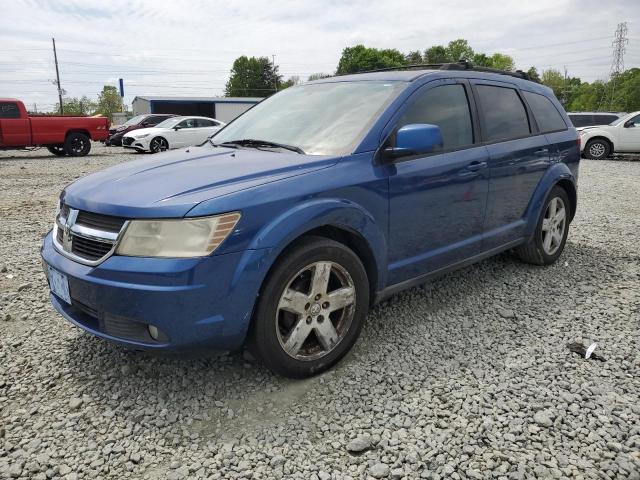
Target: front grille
{"points": [[127, 140], [105, 223], [89, 249]]}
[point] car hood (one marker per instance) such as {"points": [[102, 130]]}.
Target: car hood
{"points": [[148, 131], [170, 184]]}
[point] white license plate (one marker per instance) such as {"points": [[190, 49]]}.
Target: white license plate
{"points": [[59, 284]]}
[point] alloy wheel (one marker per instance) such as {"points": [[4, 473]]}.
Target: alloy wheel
{"points": [[553, 225], [158, 145], [315, 310], [78, 144], [597, 149]]}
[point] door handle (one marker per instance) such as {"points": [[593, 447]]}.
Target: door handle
{"points": [[475, 166]]}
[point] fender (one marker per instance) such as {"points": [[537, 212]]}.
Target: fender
{"points": [[557, 172], [319, 212], [587, 134]]}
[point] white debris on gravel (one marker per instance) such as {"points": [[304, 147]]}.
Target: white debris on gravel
{"points": [[466, 377]]}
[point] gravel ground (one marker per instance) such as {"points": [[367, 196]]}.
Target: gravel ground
{"points": [[466, 377]]}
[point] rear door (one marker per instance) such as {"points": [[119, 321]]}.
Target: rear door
{"points": [[15, 129], [518, 157], [437, 201]]}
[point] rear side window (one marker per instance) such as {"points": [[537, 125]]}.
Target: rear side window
{"points": [[202, 122], [545, 113], [581, 120], [603, 119], [503, 113], [9, 110], [447, 107]]}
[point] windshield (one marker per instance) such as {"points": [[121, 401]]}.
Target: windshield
{"points": [[320, 119], [133, 121], [170, 122]]}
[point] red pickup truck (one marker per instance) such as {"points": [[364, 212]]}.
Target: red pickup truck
{"points": [[62, 135]]}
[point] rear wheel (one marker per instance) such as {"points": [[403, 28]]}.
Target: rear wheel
{"points": [[158, 144], [77, 145], [551, 232], [597, 149], [311, 309], [57, 150]]}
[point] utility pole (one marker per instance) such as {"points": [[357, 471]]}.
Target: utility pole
{"points": [[619, 45], [55, 58], [275, 75]]}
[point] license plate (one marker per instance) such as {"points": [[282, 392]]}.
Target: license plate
{"points": [[59, 284]]}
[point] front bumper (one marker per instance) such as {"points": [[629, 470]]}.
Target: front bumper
{"points": [[197, 302], [136, 143]]}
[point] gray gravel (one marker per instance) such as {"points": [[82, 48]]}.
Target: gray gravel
{"points": [[467, 377]]}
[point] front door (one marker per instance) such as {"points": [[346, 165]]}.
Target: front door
{"points": [[15, 131], [185, 135], [437, 201], [630, 136]]}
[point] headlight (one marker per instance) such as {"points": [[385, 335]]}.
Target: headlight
{"points": [[142, 136], [186, 237]]}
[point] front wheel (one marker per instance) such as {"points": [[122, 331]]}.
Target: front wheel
{"points": [[77, 145], [597, 149], [551, 231], [158, 144], [57, 150], [311, 309]]}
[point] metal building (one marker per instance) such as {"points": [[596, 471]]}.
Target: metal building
{"points": [[220, 108]]}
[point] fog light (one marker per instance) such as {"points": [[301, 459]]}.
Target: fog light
{"points": [[153, 331]]}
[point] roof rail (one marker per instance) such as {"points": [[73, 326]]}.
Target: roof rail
{"points": [[461, 65]]}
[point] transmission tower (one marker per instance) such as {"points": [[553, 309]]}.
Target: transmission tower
{"points": [[619, 45]]}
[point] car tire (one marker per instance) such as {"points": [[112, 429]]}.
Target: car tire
{"points": [[57, 150], [158, 144], [77, 145], [551, 232], [597, 149], [296, 331]]}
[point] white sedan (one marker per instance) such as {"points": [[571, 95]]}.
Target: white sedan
{"points": [[172, 133], [621, 136]]}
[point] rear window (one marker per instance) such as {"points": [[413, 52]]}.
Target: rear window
{"points": [[9, 110], [503, 113], [545, 113]]}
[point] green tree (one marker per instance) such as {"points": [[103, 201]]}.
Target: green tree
{"points": [[252, 77], [293, 80], [554, 80], [318, 76], [361, 59], [459, 50], [414, 58], [109, 102], [77, 106], [436, 54], [500, 61], [533, 74]]}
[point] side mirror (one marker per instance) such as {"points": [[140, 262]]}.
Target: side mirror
{"points": [[415, 139], [630, 124], [176, 128]]}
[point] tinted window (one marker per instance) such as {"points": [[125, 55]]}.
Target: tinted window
{"points": [[545, 113], [503, 113], [603, 119], [9, 110], [190, 123], [633, 123], [155, 120], [581, 120], [206, 123], [447, 107]]}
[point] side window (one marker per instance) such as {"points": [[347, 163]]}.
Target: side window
{"points": [[580, 120], [189, 123], [503, 112], [155, 120], [545, 113], [9, 110], [447, 107], [633, 123], [202, 122]]}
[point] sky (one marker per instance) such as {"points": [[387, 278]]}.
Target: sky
{"points": [[187, 48]]}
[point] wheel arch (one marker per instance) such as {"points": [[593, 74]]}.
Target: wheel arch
{"points": [[77, 130], [601, 137]]}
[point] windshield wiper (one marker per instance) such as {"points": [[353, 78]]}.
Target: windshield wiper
{"points": [[250, 142]]}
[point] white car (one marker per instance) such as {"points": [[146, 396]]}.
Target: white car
{"points": [[621, 136], [172, 133]]}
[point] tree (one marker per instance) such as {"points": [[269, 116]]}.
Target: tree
{"points": [[318, 76], [361, 59], [533, 74], [554, 80], [252, 77], [77, 106], [436, 54], [414, 58], [293, 80], [109, 102], [459, 50], [500, 61]]}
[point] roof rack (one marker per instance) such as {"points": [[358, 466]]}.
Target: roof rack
{"points": [[461, 65]]}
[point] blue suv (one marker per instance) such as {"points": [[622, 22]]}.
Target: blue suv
{"points": [[280, 232]]}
